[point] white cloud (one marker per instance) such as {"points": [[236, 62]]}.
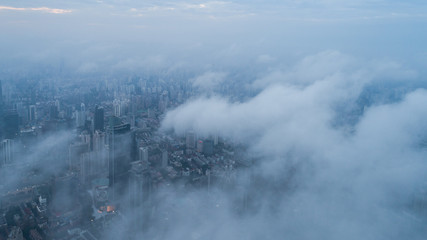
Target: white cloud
{"points": [[209, 81], [319, 181], [41, 9]]}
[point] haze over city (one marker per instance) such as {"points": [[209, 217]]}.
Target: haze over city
{"points": [[213, 119]]}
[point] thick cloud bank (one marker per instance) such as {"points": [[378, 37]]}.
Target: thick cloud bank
{"points": [[317, 179]]}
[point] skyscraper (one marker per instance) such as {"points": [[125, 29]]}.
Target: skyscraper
{"points": [[122, 150], [139, 183], [140, 192], [53, 112], [81, 115], [10, 124], [98, 141], [6, 152], [164, 158], [75, 150], [208, 147], [190, 140], [98, 123], [117, 108], [32, 113]]}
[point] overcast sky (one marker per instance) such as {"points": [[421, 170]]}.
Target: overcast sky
{"points": [[97, 35]]}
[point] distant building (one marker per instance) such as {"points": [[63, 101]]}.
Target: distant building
{"points": [[143, 154], [199, 146], [57, 105], [164, 159], [100, 191], [42, 205], [10, 124], [117, 107], [6, 152], [122, 149], [81, 116], [98, 123], [155, 156], [15, 234], [190, 140], [87, 167], [98, 141], [215, 139], [85, 137], [208, 147], [35, 235], [53, 112], [82, 107], [140, 187], [139, 183], [22, 111], [32, 114], [74, 152]]}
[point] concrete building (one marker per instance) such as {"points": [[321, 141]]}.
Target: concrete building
{"points": [[208, 147], [199, 147], [140, 187], [121, 148], [75, 150], [164, 158], [143, 154], [98, 121], [190, 140], [6, 152], [15, 234], [32, 114]]}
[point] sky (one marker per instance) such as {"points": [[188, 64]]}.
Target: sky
{"points": [[91, 36], [330, 166]]}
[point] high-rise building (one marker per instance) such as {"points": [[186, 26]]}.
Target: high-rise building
{"points": [[82, 107], [139, 183], [57, 105], [32, 117], [6, 152], [98, 123], [87, 167], [199, 146], [122, 150], [117, 107], [143, 154], [81, 116], [98, 140], [86, 138], [75, 150], [22, 111], [164, 159], [93, 165], [208, 147], [190, 140], [53, 112], [140, 193], [10, 124]]}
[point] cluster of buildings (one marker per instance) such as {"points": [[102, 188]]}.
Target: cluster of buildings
{"points": [[113, 162]]}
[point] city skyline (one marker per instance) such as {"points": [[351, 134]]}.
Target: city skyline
{"points": [[213, 119]]}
